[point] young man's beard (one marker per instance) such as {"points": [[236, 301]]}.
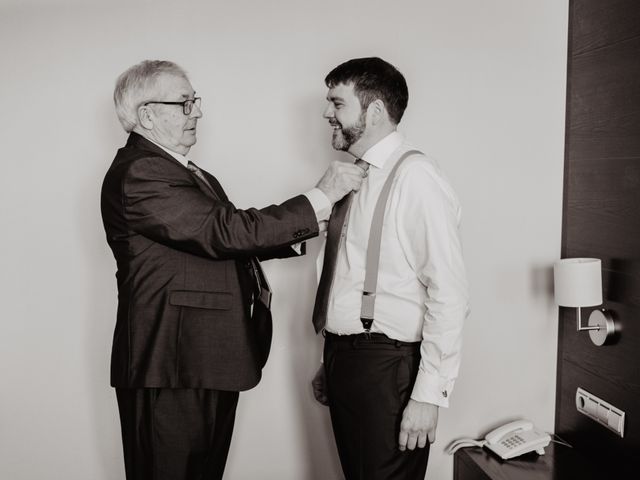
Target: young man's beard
{"points": [[347, 136]]}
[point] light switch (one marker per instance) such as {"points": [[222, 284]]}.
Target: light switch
{"points": [[615, 421], [600, 411], [603, 414]]}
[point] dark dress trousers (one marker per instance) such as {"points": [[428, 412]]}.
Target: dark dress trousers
{"points": [[185, 283], [367, 375]]}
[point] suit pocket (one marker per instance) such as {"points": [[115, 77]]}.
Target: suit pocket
{"points": [[208, 300]]}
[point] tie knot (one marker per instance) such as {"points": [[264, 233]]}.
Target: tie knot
{"points": [[192, 166], [362, 164]]}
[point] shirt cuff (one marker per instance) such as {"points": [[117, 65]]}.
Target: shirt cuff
{"points": [[432, 388], [320, 203]]}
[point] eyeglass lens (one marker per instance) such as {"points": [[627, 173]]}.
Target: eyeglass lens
{"points": [[187, 107]]}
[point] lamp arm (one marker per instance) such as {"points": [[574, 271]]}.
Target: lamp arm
{"points": [[582, 328]]}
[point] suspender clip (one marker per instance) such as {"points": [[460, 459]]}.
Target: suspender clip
{"points": [[366, 324], [366, 313]]}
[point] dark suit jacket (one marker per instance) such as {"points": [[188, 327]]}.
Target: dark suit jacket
{"points": [[184, 287]]}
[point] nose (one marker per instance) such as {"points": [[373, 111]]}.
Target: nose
{"points": [[328, 112], [196, 111]]}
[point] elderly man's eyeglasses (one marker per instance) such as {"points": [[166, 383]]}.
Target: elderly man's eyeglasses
{"points": [[187, 105]]}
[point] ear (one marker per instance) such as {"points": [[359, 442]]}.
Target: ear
{"points": [[145, 117], [376, 112]]}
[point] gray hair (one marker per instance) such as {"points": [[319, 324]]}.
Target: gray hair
{"points": [[134, 85]]}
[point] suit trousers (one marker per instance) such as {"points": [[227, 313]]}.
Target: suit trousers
{"points": [[369, 382], [177, 434]]}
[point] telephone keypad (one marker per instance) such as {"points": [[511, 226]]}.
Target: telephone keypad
{"points": [[513, 442]]}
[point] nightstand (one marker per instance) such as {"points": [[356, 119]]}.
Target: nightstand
{"points": [[558, 463]]}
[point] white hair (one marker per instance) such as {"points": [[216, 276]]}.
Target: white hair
{"points": [[135, 84]]}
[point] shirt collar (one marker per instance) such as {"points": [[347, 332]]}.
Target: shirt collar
{"points": [[381, 151], [179, 157]]}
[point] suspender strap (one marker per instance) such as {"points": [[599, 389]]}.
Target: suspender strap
{"points": [[373, 248]]}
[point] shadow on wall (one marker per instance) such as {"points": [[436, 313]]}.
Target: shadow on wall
{"points": [[100, 315], [321, 455], [542, 282]]}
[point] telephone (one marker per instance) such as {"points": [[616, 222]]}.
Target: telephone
{"points": [[508, 441]]}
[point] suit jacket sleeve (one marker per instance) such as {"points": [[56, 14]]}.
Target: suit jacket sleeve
{"points": [[164, 205]]}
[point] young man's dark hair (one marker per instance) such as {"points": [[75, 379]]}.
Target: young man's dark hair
{"points": [[372, 79]]}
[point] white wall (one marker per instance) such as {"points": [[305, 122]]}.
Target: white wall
{"points": [[487, 84]]}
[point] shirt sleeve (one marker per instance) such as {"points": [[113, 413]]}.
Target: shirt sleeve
{"points": [[428, 219], [322, 207], [320, 203]]}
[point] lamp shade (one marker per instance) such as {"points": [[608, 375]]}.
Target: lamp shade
{"points": [[578, 282]]}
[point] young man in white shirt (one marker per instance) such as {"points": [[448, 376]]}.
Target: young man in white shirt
{"points": [[385, 381]]}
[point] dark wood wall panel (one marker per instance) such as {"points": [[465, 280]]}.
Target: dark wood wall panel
{"points": [[602, 209], [606, 362], [588, 17], [601, 443], [601, 218], [605, 103]]}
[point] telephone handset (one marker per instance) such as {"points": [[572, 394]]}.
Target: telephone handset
{"points": [[508, 441]]}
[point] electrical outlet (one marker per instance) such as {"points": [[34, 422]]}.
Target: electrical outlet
{"points": [[600, 411]]}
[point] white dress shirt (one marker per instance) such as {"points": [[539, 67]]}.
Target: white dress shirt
{"points": [[422, 287]]}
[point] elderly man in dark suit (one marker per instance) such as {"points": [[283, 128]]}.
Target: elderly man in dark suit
{"points": [[193, 324]]}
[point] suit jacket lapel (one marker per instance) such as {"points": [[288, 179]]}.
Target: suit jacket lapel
{"points": [[206, 188], [216, 192], [217, 188]]}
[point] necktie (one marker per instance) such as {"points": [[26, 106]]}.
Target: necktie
{"points": [[193, 168], [335, 232]]}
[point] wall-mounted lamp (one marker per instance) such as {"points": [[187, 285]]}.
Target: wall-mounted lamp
{"points": [[578, 283]]}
